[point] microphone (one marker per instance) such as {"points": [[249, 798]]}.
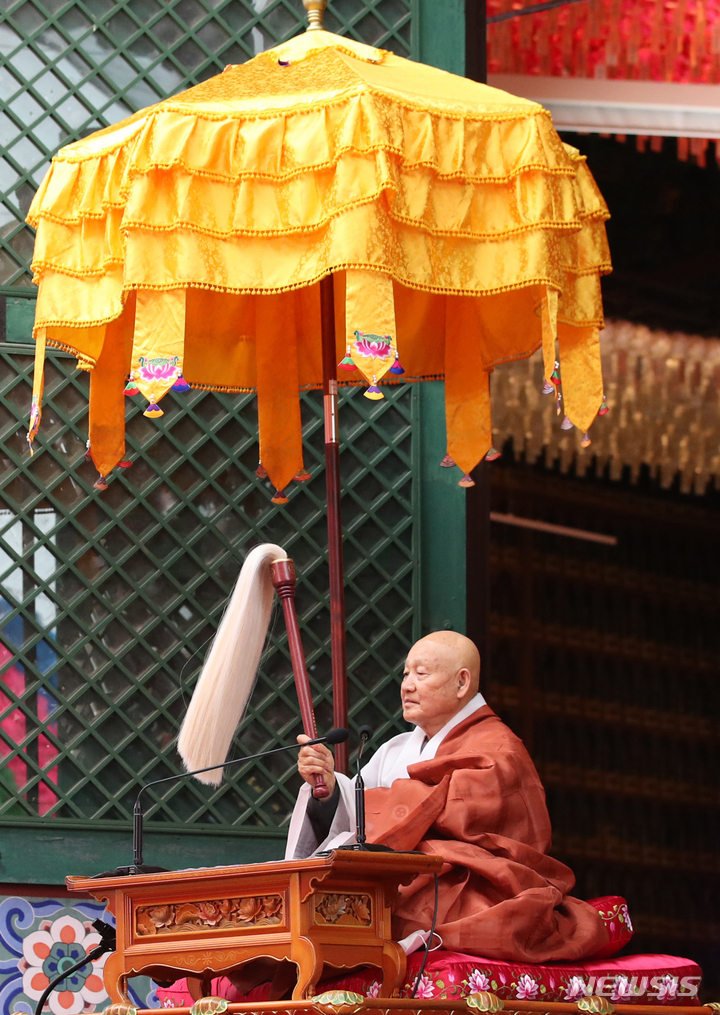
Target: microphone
{"points": [[365, 733], [334, 736]]}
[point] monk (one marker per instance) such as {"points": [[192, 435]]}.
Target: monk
{"points": [[460, 785]]}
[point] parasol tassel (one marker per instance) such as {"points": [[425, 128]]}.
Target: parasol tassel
{"points": [[279, 498], [493, 455], [555, 381], [180, 384], [261, 471], [566, 424], [153, 411], [88, 455], [585, 441], [346, 363], [397, 367], [604, 409], [466, 481], [374, 391], [125, 464], [303, 476], [228, 676], [548, 388], [447, 463], [131, 387], [100, 484]]}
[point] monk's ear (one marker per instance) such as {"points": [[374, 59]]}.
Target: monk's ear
{"points": [[464, 678]]}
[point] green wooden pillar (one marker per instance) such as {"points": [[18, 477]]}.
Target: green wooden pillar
{"points": [[441, 33], [454, 524], [442, 520], [441, 36]]}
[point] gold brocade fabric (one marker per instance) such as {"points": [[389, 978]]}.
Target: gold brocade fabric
{"points": [[223, 207]]}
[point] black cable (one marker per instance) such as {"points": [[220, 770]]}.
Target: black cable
{"points": [[530, 9], [107, 944], [427, 943]]}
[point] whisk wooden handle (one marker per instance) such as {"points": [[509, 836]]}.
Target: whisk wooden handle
{"points": [[283, 578]]}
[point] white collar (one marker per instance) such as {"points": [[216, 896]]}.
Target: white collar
{"points": [[415, 746], [430, 749]]}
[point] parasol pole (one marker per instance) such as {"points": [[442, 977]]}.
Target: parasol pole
{"points": [[477, 498], [316, 12], [334, 514]]}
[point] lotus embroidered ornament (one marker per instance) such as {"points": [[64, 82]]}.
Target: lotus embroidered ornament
{"points": [[155, 376], [373, 355]]}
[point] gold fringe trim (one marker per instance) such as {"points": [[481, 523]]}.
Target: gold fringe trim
{"points": [[66, 154], [319, 167], [34, 216], [526, 112], [61, 269], [129, 287], [84, 362], [569, 226], [229, 390]]}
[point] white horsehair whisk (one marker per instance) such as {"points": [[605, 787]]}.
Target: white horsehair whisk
{"points": [[228, 676]]}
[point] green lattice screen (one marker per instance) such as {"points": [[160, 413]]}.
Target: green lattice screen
{"points": [[108, 602], [70, 67]]}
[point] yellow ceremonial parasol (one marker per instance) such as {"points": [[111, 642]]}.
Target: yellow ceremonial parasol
{"points": [[324, 202]]}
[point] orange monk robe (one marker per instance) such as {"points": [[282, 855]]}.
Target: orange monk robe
{"points": [[479, 804]]}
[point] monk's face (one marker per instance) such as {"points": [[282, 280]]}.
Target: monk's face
{"points": [[441, 675]]}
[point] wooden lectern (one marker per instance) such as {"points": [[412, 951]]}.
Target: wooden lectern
{"points": [[332, 910]]}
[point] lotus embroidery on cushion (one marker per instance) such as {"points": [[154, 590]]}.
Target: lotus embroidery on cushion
{"points": [[575, 988], [478, 982], [425, 988], [526, 987], [622, 989], [668, 988]]}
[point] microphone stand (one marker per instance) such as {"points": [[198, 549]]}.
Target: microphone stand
{"points": [[335, 736], [360, 792]]}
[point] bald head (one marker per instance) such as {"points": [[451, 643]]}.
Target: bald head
{"points": [[442, 674]]}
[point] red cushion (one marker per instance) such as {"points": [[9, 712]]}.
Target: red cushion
{"points": [[636, 979], [633, 979]]}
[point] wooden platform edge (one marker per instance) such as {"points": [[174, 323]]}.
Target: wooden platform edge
{"points": [[421, 1006]]}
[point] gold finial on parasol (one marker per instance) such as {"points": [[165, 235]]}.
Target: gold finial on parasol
{"points": [[316, 12]]}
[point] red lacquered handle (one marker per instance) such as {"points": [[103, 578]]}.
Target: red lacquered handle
{"points": [[321, 792], [283, 579]]}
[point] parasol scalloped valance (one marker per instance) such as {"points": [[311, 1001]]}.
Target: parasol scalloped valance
{"points": [[185, 245]]}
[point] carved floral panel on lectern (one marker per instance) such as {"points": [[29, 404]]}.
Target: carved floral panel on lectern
{"points": [[343, 909], [208, 915]]}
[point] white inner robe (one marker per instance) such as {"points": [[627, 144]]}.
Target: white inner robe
{"points": [[389, 763]]}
